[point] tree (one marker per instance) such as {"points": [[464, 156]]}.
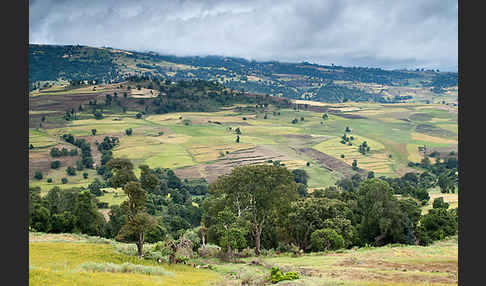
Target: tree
{"points": [[355, 165], [324, 116], [38, 175], [300, 176], [447, 182], [137, 222], [371, 175], [64, 180], [87, 218], [256, 193], [383, 218], [326, 239], [71, 171], [55, 164], [139, 115], [439, 203], [122, 170], [128, 131], [98, 115], [237, 138], [93, 132], [231, 236]]}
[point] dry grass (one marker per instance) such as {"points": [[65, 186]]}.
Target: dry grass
{"points": [[433, 139]]}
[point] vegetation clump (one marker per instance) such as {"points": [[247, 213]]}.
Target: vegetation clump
{"points": [[276, 275]]}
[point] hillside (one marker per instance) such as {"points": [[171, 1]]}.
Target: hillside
{"points": [[49, 64], [63, 258]]}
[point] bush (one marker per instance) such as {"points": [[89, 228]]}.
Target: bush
{"points": [[85, 175], [209, 251], [64, 180], [55, 164], [128, 131], [98, 115], [139, 115], [125, 268], [38, 175], [70, 171], [49, 180], [326, 239], [276, 275]]}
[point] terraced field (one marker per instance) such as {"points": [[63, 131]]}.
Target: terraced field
{"points": [[197, 144]]}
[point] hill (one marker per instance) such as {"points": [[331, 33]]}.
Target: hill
{"points": [[49, 64]]}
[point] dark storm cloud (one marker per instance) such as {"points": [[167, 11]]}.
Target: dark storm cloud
{"points": [[388, 34]]}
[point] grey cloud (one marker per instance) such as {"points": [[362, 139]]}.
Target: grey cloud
{"points": [[388, 34]]}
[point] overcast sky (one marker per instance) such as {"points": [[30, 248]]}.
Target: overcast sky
{"points": [[374, 33]]}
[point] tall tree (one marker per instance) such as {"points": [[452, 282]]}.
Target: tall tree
{"points": [[256, 193], [137, 222]]}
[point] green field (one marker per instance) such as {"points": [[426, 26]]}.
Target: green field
{"points": [[193, 139]]}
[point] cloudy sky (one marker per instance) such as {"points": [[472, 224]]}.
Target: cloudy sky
{"points": [[373, 33]]}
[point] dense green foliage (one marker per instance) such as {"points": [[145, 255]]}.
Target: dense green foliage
{"points": [[76, 63]]}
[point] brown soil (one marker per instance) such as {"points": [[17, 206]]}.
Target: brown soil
{"points": [[222, 166], [40, 160], [330, 162]]}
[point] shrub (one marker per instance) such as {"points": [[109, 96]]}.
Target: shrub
{"points": [[64, 180], [49, 180], [85, 175], [276, 275], [139, 115], [246, 252], [128, 131], [209, 251], [55, 164], [125, 268], [38, 175], [439, 203], [70, 171], [98, 115], [326, 239]]}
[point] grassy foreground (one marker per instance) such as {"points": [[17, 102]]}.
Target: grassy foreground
{"points": [[61, 259]]}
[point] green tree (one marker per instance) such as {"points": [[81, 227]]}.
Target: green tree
{"points": [[231, 236], [55, 164], [138, 222], [326, 239], [87, 218], [70, 171], [447, 182], [255, 193], [38, 175], [439, 203], [93, 132], [128, 131], [383, 220]]}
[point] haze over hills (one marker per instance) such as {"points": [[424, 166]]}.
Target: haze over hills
{"points": [[307, 81]]}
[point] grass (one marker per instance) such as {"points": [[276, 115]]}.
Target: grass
{"points": [[397, 265], [112, 196], [73, 181], [72, 263], [384, 127], [124, 268]]}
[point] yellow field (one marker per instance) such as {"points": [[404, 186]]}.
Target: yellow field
{"points": [[377, 160], [427, 138], [413, 153], [58, 263], [209, 153]]}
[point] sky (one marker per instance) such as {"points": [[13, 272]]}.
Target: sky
{"points": [[372, 33]]}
